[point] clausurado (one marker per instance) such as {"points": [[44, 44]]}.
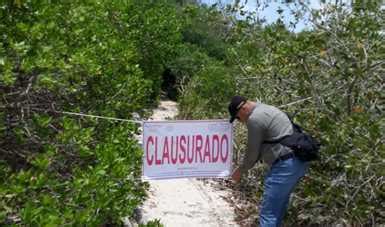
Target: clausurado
{"points": [[183, 149]]}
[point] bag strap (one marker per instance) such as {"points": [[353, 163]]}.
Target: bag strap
{"points": [[276, 140], [296, 128]]}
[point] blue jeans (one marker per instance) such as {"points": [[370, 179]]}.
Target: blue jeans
{"points": [[279, 183]]}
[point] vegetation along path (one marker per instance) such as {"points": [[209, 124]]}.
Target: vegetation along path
{"points": [[185, 202]]}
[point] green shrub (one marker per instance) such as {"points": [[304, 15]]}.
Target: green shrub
{"points": [[207, 94], [334, 72], [78, 56], [56, 190]]}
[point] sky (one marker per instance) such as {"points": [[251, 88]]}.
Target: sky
{"points": [[270, 13]]}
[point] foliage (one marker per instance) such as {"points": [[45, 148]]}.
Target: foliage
{"points": [[50, 193], [206, 28], [78, 56], [154, 223], [156, 32], [199, 92], [335, 72]]}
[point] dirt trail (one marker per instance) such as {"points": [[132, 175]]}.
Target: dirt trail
{"points": [[186, 202]]}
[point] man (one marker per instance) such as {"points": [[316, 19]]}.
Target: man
{"points": [[268, 123]]}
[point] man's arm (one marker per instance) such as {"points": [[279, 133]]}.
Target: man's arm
{"points": [[255, 137]]}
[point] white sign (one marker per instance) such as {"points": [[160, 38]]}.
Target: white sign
{"points": [[178, 149]]}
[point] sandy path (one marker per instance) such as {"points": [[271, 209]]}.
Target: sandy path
{"points": [[185, 202]]}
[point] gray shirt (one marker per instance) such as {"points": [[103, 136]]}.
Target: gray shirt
{"points": [[265, 123]]}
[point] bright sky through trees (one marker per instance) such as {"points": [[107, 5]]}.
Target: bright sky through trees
{"points": [[270, 13]]}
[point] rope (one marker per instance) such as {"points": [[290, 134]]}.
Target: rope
{"points": [[141, 122], [133, 121], [91, 116]]}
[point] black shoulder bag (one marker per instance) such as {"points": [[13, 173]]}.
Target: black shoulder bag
{"points": [[304, 146]]}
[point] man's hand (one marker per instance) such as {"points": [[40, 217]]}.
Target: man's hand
{"points": [[236, 176]]}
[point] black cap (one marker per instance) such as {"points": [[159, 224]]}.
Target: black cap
{"points": [[234, 106]]}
